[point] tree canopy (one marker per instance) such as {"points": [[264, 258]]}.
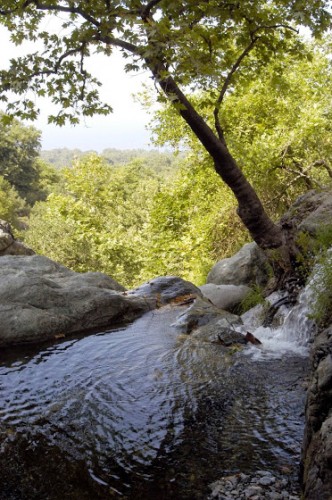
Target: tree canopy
{"points": [[20, 164], [188, 46], [200, 44], [96, 218]]}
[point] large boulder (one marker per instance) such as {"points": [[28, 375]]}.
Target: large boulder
{"points": [[248, 266], [166, 289], [310, 212], [225, 296], [40, 300], [8, 244]]}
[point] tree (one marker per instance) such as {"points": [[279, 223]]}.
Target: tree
{"points": [[278, 126], [186, 45], [11, 205], [20, 164], [19, 149], [279, 129], [95, 220]]}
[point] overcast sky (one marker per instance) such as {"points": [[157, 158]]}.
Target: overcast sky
{"points": [[124, 129]]}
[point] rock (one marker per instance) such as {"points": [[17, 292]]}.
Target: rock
{"points": [[251, 487], [253, 491], [247, 267], [166, 289], [229, 337], [40, 300], [310, 212], [226, 297], [324, 373], [317, 446], [266, 480], [252, 339], [201, 313], [9, 245], [97, 279]]}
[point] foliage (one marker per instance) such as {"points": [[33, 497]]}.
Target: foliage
{"points": [[20, 164], [201, 44], [190, 224], [11, 205], [317, 261], [254, 298], [195, 45], [213, 49], [96, 222], [322, 287], [19, 149], [278, 127], [161, 161]]}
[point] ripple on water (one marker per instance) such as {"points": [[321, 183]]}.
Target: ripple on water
{"points": [[140, 401]]}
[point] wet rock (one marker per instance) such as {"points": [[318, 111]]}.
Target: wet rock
{"points": [[201, 313], [228, 337], [225, 297], [41, 300], [324, 373], [248, 266], [166, 289], [317, 447], [8, 244], [262, 484]]}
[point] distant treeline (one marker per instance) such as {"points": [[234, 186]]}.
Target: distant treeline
{"points": [[159, 160]]}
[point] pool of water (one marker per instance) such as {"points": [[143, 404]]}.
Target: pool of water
{"points": [[151, 414]]}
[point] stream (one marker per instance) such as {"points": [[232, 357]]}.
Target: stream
{"points": [[143, 412]]}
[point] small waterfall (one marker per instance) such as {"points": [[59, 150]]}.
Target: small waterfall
{"points": [[291, 331]]}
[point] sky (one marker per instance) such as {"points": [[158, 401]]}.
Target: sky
{"points": [[125, 128]]}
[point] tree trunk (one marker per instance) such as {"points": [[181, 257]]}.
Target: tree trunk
{"points": [[250, 209]]}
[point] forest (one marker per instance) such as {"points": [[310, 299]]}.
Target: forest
{"points": [[243, 109], [136, 214]]}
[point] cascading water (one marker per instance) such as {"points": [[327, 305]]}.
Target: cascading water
{"points": [[292, 329], [151, 414]]}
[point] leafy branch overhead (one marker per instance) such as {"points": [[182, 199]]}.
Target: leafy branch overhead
{"points": [[199, 44], [187, 46]]}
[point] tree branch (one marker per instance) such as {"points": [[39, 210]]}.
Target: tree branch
{"points": [[146, 9], [323, 163], [69, 10], [225, 87], [117, 42], [234, 68], [57, 64]]}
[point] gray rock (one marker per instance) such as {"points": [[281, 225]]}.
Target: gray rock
{"points": [[310, 212], [266, 480], [324, 373], [9, 245], [165, 289], [40, 300], [225, 296], [248, 487], [317, 446], [252, 491], [247, 267], [229, 337], [200, 313]]}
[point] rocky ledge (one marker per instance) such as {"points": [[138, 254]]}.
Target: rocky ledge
{"points": [[41, 300]]}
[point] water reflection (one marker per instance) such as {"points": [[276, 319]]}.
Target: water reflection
{"points": [[151, 413]]}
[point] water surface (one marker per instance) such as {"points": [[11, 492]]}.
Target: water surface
{"points": [[151, 414]]}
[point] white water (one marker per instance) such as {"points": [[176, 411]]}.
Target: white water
{"points": [[290, 333]]}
